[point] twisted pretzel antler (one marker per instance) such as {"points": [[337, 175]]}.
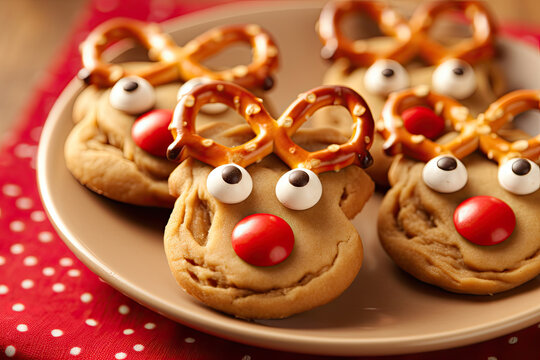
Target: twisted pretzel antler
{"points": [[473, 132], [178, 63], [412, 38], [272, 135], [499, 113]]}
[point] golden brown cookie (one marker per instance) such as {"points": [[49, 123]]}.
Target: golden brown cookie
{"points": [[261, 227], [375, 65], [101, 153], [453, 218], [327, 252], [417, 230], [119, 143]]}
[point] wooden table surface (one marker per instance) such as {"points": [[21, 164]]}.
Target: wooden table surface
{"points": [[31, 32]]}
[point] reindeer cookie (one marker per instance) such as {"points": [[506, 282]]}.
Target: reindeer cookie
{"points": [[407, 54], [453, 218], [247, 235], [118, 145]]}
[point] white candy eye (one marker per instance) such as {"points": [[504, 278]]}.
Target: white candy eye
{"points": [[211, 109], [385, 76], [445, 174], [454, 78], [519, 176], [229, 183], [133, 95], [299, 189]]}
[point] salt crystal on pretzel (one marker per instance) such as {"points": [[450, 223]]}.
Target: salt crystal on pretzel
{"points": [[172, 62]]}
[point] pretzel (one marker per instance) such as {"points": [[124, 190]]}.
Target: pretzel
{"points": [[271, 135], [479, 132], [178, 63], [499, 113], [412, 37], [398, 139]]}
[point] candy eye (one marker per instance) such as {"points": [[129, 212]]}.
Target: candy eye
{"points": [[445, 174], [211, 109], [229, 183], [299, 189], [519, 176], [385, 76], [133, 95], [454, 78]]}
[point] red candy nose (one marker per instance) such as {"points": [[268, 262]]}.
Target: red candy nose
{"points": [[262, 239], [484, 220], [150, 132], [420, 120]]}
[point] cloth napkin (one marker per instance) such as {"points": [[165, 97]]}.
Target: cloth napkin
{"points": [[53, 307]]}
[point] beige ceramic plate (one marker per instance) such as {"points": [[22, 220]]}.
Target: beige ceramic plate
{"points": [[383, 312]]}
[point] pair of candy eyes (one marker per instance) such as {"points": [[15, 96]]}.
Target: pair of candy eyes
{"points": [[454, 78], [134, 95], [297, 189], [447, 174]]}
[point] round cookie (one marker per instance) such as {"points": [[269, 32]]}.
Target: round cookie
{"points": [[327, 251], [390, 53], [416, 229], [101, 153]]}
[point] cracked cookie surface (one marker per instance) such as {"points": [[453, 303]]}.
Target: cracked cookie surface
{"points": [[417, 231], [327, 252], [101, 154]]}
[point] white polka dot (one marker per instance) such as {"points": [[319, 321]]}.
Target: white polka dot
{"points": [[149, 326], [138, 347], [2, 260], [3, 289], [120, 355], [45, 236], [16, 249], [16, 226], [189, 340], [24, 151], [75, 351], [128, 331], [74, 272], [38, 216], [48, 271], [58, 287], [24, 203], [513, 340], [91, 322], [66, 261], [35, 133], [123, 309], [11, 190], [57, 333], [22, 328], [27, 284], [86, 297], [30, 261], [18, 307], [10, 351]]}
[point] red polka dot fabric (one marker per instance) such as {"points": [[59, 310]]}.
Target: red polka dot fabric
{"points": [[53, 307]]}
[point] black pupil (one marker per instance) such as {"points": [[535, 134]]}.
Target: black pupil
{"points": [[298, 178], [388, 72], [521, 167], [447, 163], [231, 175], [131, 86], [458, 71]]}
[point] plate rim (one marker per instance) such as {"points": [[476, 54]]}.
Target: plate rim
{"points": [[234, 329]]}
